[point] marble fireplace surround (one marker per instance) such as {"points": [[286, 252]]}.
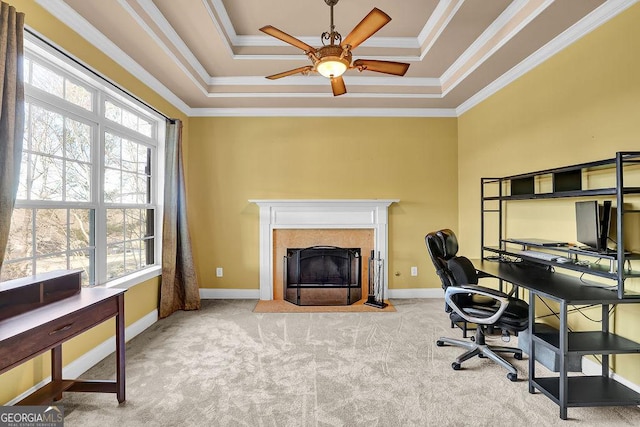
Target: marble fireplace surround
{"points": [[320, 214]]}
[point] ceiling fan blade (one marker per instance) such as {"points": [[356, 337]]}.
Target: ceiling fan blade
{"points": [[291, 72], [388, 67], [338, 87], [274, 32], [371, 23]]}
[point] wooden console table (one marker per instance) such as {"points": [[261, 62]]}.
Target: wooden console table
{"points": [[37, 330]]}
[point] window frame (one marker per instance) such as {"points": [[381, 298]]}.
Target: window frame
{"points": [[102, 91]]}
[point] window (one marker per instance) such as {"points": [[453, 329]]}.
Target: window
{"points": [[88, 192]]}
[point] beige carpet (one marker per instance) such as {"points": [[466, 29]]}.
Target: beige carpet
{"points": [[281, 306], [228, 366]]}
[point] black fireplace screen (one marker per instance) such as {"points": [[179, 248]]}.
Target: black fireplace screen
{"points": [[322, 275]]}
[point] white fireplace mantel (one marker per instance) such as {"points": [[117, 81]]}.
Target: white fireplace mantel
{"points": [[320, 214]]}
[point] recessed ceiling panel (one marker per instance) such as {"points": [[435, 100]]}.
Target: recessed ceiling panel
{"points": [[210, 54]]}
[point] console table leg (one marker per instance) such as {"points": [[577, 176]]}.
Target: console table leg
{"points": [[56, 368], [120, 347]]}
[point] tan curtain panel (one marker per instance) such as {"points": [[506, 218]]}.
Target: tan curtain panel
{"points": [[11, 115], [179, 289]]}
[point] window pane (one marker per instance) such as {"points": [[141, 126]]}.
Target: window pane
{"points": [[83, 260], [143, 159], [80, 226], [51, 231], [112, 150], [112, 184], [78, 182], [20, 244], [129, 120], [78, 95], [45, 79], [115, 227], [15, 270], [145, 127], [46, 178], [23, 190], [115, 265], [78, 141], [143, 190], [112, 112], [129, 156], [129, 187], [46, 131], [134, 225], [51, 263]]}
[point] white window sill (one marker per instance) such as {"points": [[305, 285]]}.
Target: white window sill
{"points": [[136, 278]]}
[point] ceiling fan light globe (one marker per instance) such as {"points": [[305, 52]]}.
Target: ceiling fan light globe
{"points": [[331, 67]]}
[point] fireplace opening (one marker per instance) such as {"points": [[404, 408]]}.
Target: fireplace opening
{"points": [[322, 275]]}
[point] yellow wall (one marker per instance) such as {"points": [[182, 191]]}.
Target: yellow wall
{"points": [[578, 106], [232, 160], [139, 300]]}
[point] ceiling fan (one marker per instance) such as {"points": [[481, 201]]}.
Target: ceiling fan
{"points": [[333, 59]]}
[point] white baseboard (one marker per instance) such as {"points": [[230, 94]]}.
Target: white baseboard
{"points": [[212, 293], [417, 293], [92, 357]]}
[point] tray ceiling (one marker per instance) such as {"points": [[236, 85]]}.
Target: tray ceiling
{"points": [[208, 58]]}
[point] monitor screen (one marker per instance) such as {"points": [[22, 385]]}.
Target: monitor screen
{"points": [[588, 223]]}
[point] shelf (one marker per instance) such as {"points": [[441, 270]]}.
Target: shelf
{"points": [[559, 194], [588, 391], [593, 342], [593, 268]]}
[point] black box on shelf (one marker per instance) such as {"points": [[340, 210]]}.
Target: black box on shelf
{"points": [[567, 181], [522, 186]]}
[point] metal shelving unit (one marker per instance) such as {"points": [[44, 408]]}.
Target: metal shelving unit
{"points": [[574, 391]]}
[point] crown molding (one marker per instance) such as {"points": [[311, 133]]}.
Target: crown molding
{"points": [[323, 112], [596, 18]]}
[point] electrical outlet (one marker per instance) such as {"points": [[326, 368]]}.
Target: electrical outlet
{"points": [[219, 272], [414, 271]]}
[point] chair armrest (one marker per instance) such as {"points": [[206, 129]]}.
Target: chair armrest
{"points": [[500, 297]]}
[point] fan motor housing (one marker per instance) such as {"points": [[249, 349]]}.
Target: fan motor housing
{"points": [[334, 51]]}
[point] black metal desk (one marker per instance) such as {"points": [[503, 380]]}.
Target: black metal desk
{"points": [[569, 290]]}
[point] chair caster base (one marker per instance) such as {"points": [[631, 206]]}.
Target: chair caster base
{"points": [[456, 366], [518, 356], [512, 377], [440, 343]]}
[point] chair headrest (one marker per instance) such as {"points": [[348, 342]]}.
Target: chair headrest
{"points": [[449, 243], [435, 245]]}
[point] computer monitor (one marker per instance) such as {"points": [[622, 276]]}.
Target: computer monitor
{"points": [[588, 223], [592, 224]]}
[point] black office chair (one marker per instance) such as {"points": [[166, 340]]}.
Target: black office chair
{"points": [[488, 309]]}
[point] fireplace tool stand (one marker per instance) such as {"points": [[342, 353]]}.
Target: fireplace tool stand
{"points": [[376, 283]]}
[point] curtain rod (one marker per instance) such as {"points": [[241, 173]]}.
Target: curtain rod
{"points": [[92, 71]]}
